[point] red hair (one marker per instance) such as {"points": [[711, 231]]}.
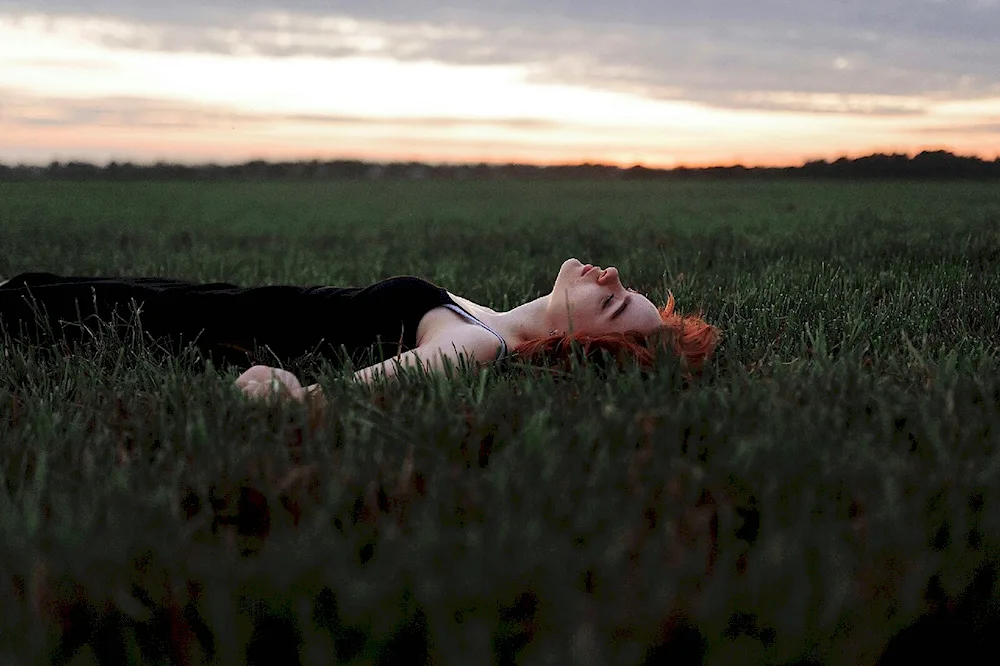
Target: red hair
{"points": [[687, 337]]}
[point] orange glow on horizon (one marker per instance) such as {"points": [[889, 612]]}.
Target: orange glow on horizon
{"points": [[207, 145]]}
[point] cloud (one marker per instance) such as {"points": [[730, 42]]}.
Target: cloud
{"points": [[873, 56], [954, 18], [962, 129], [78, 65], [142, 113], [887, 105]]}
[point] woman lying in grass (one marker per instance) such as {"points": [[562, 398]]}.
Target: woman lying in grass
{"points": [[402, 322]]}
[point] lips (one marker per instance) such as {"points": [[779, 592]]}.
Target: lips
{"points": [[586, 269]]}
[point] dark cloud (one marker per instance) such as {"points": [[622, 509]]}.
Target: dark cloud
{"points": [[726, 53], [951, 18]]}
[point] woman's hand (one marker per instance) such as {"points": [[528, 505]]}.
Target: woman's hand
{"points": [[264, 382]]}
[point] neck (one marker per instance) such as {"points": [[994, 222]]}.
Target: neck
{"points": [[527, 321]]}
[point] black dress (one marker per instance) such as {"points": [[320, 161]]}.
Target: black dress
{"points": [[229, 324]]}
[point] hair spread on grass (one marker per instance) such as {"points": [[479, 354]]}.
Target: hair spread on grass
{"points": [[687, 337]]}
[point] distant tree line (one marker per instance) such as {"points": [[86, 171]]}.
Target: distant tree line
{"points": [[926, 165]]}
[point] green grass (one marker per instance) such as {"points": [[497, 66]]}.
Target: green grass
{"points": [[832, 479]]}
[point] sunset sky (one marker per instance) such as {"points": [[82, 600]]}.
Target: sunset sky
{"points": [[653, 82]]}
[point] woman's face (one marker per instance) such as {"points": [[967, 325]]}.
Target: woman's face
{"points": [[590, 301]]}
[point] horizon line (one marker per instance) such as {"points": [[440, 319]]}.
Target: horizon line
{"points": [[139, 164]]}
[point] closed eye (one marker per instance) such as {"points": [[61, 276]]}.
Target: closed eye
{"points": [[607, 301], [621, 309]]}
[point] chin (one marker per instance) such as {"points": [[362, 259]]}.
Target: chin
{"points": [[565, 274], [569, 265]]}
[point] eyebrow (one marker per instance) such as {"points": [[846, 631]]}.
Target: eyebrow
{"points": [[620, 310]]}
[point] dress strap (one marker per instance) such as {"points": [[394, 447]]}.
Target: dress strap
{"points": [[459, 311]]}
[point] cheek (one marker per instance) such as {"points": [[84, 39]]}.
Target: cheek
{"points": [[584, 302], [580, 310], [651, 324]]}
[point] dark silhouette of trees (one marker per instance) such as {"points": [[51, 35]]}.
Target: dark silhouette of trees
{"points": [[937, 165]]}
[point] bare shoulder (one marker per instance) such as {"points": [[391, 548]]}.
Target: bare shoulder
{"points": [[443, 329]]}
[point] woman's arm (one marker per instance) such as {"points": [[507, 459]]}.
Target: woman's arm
{"points": [[471, 342], [474, 343]]}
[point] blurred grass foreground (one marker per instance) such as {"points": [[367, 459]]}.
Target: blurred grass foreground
{"points": [[828, 491]]}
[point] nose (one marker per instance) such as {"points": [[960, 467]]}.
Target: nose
{"points": [[610, 275]]}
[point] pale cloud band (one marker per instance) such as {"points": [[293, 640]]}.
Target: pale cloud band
{"points": [[723, 53]]}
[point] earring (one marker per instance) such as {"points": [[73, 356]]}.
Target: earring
{"points": [[553, 332]]}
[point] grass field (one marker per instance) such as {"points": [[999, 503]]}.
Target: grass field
{"points": [[828, 491]]}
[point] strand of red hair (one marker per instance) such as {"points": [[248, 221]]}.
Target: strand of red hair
{"points": [[688, 337]]}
